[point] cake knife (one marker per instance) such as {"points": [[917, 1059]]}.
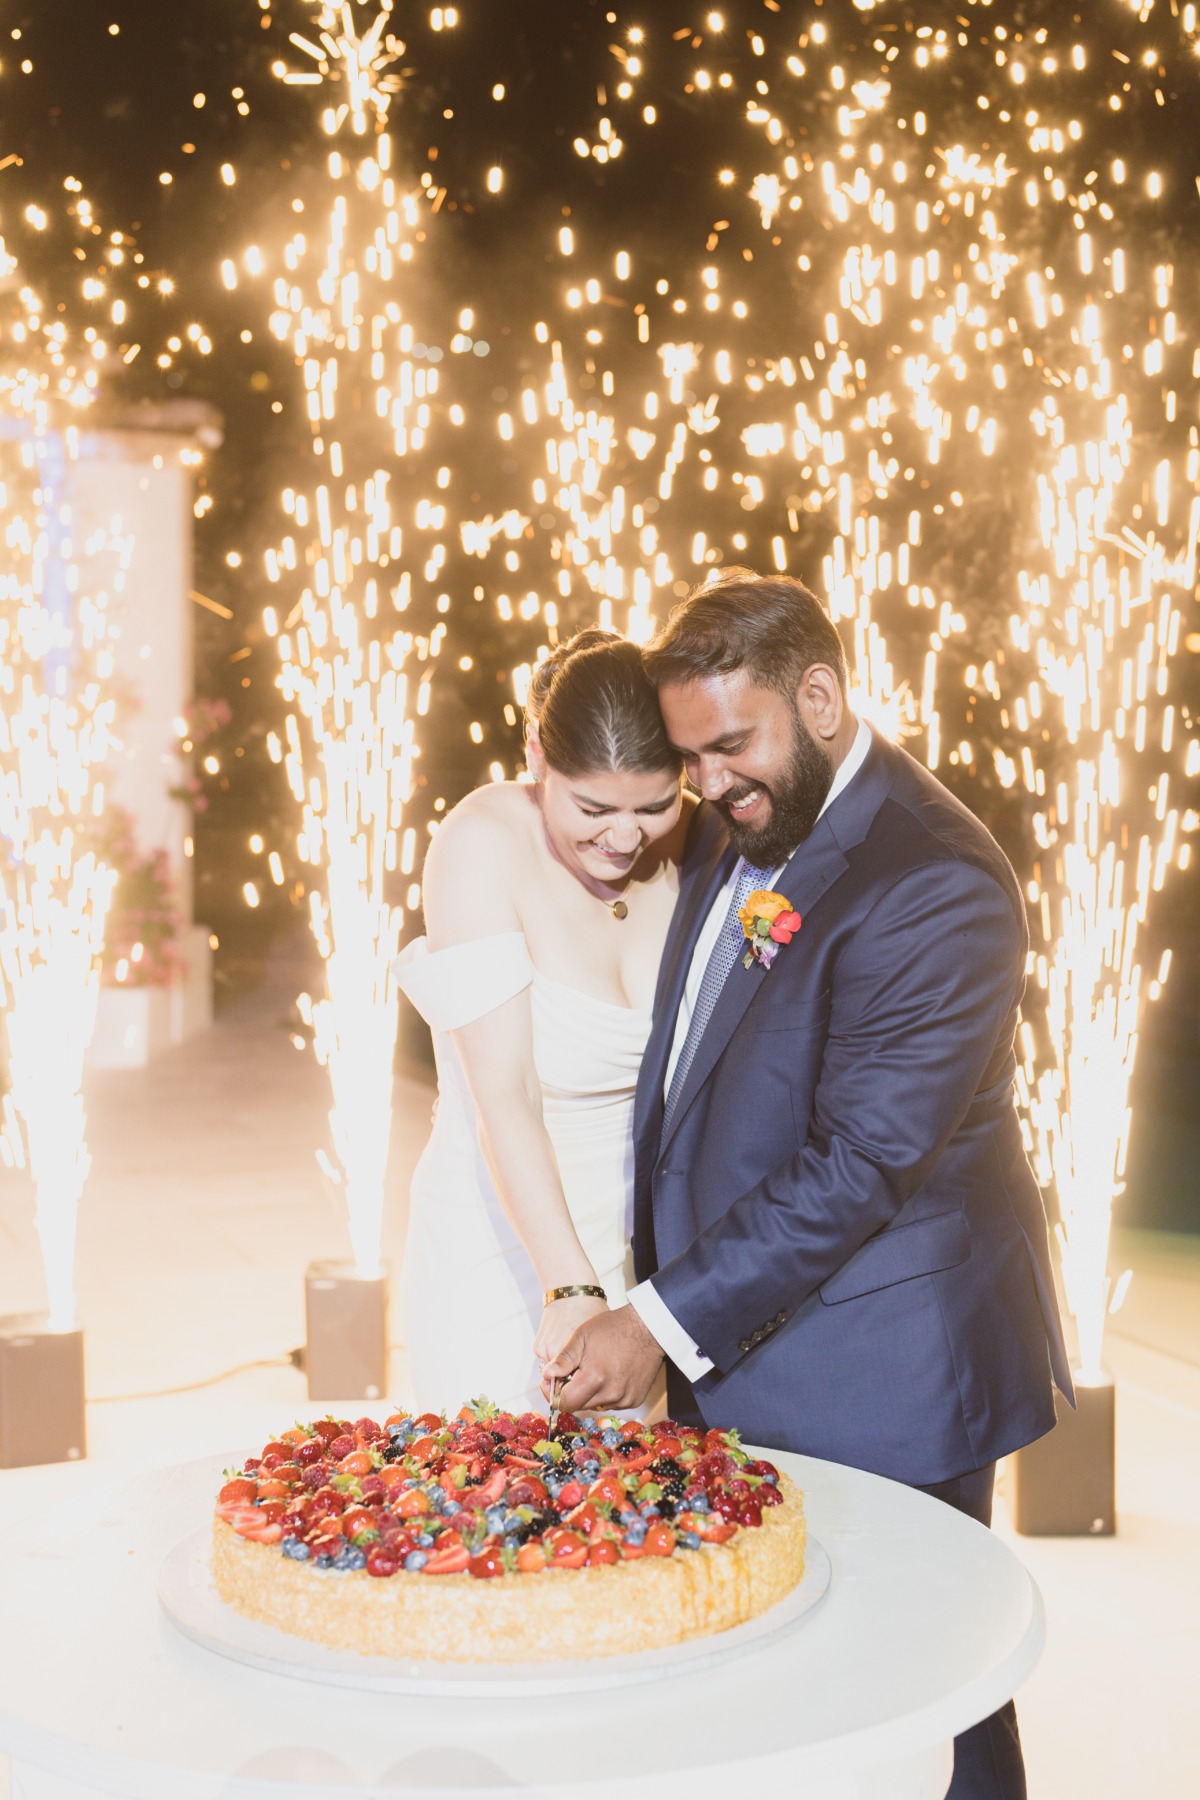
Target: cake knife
{"points": [[555, 1391]]}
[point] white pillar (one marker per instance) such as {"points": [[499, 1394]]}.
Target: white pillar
{"points": [[139, 474]]}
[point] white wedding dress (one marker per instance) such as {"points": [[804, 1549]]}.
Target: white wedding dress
{"points": [[470, 1300]]}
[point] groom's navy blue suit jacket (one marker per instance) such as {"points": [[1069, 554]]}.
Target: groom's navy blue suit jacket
{"points": [[841, 1214]]}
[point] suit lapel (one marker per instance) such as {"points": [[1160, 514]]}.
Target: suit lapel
{"points": [[813, 869], [815, 866], [713, 862]]}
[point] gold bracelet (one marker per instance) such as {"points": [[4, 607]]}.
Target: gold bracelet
{"points": [[585, 1291]]}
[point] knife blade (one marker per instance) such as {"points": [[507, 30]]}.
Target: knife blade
{"points": [[555, 1391]]}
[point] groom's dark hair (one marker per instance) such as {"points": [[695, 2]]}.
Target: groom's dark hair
{"points": [[770, 625]]}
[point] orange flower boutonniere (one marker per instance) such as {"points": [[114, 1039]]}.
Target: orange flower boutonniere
{"points": [[768, 921]]}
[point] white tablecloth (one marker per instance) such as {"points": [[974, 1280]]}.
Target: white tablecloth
{"points": [[930, 1624]]}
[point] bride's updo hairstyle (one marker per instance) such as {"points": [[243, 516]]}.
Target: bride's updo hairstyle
{"points": [[592, 708]]}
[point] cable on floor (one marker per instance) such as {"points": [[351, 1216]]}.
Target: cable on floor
{"points": [[294, 1360]]}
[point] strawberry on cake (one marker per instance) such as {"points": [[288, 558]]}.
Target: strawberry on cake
{"points": [[481, 1539]]}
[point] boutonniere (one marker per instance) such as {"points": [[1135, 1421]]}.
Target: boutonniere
{"points": [[768, 921]]}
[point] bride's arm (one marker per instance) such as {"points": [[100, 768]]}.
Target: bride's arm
{"points": [[468, 895]]}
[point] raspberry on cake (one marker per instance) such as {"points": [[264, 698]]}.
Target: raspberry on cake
{"points": [[639, 1535]]}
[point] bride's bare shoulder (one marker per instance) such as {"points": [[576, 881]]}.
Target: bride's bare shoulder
{"points": [[484, 833], [498, 807]]}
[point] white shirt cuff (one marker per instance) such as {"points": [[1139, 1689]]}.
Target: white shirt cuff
{"points": [[667, 1332]]}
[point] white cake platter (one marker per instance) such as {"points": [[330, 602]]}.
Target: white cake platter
{"points": [[191, 1602]]}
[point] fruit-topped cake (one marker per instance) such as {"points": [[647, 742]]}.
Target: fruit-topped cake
{"points": [[481, 1539]]}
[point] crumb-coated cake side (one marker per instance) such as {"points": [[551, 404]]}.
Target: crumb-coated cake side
{"points": [[480, 1539]]}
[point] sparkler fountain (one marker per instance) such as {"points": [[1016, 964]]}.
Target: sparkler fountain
{"points": [[350, 732], [1104, 660], [56, 720]]}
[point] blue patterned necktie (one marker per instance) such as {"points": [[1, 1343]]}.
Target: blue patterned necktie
{"points": [[724, 954]]}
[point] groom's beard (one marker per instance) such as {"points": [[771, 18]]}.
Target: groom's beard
{"points": [[796, 797]]}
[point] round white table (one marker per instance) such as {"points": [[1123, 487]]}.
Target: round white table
{"points": [[929, 1625]]}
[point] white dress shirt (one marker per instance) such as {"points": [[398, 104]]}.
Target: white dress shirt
{"points": [[653, 1311]]}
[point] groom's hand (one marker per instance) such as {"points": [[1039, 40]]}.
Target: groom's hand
{"points": [[611, 1362]]}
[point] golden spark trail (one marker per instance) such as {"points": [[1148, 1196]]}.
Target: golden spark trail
{"points": [[1103, 658], [345, 659], [56, 719]]}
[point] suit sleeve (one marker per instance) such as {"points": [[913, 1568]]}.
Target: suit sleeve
{"points": [[921, 994]]}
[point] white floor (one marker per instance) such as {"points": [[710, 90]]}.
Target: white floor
{"points": [[206, 1204]]}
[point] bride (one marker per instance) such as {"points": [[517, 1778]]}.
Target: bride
{"points": [[546, 907]]}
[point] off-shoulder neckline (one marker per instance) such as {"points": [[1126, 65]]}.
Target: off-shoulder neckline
{"points": [[538, 975]]}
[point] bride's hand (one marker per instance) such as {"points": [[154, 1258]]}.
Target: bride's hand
{"points": [[561, 1320]]}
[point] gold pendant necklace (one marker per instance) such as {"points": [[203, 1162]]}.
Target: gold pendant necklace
{"points": [[618, 909]]}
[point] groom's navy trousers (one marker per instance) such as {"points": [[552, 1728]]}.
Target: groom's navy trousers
{"points": [[988, 1764], [840, 1212]]}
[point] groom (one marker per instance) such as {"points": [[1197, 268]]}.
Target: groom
{"points": [[840, 1247]]}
